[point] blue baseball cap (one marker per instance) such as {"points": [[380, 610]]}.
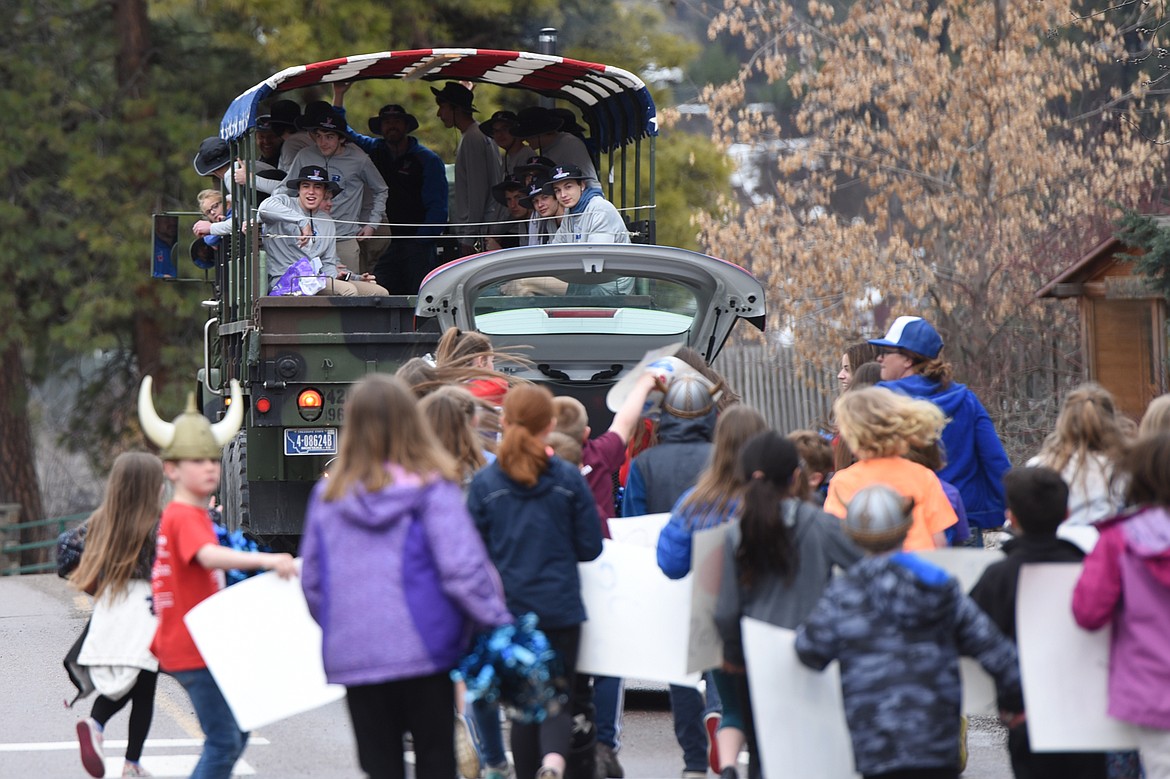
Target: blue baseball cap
{"points": [[914, 334]]}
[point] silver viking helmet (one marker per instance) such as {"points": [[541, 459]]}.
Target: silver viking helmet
{"points": [[878, 518], [690, 395], [191, 436]]}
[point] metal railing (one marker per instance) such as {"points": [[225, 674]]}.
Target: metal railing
{"points": [[61, 524]]}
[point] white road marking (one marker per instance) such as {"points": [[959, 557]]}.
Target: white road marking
{"points": [[151, 743], [172, 765]]}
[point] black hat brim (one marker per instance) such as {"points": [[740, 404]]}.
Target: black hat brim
{"points": [[532, 129], [376, 123], [332, 187], [443, 96]]}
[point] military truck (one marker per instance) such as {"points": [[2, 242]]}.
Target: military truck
{"points": [[295, 357]]}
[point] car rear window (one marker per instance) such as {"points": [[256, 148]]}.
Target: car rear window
{"points": [[595, 303]]}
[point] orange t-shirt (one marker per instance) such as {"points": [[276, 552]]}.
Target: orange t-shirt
{"points": [[179, 583], [932, 511]]}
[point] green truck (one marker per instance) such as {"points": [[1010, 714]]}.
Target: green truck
{"points": [[295, 357]]}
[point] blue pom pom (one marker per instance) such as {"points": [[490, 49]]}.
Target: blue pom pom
{"points": [[515, 666], [238, 540]]}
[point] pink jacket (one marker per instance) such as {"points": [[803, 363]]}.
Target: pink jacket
{"points": [[1126, 581]]}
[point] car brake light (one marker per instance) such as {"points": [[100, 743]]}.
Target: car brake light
{"points": [[309, 403]]}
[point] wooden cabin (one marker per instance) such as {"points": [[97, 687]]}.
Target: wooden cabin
{"points": [[1123, 324]]}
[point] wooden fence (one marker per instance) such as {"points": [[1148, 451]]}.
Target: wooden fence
{"points": [[788, 391], [792, 393]]}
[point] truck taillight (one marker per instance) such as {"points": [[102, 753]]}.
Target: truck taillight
{"points": [[263, 405], [309, 403]]}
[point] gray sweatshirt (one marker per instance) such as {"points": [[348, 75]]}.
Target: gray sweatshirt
{"points": [[477, 169], [353, 170], [599, 222], [568, 149], [283, 218]]}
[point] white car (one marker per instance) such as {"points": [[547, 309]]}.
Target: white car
{"points": [[587, 313]]}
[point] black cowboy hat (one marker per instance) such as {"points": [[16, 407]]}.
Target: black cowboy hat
{"points": [[332, 122], [542, 186], [567, 173], [568, 122], [392, 111], [213, 154], [455, 94], [509, 184], [313, 173], [535, 166], [313, 113], [283, 115], [487, 126], [535, 120]]}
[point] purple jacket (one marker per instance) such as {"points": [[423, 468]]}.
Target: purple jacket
{"points": [[397, 579], [1126, 581]]}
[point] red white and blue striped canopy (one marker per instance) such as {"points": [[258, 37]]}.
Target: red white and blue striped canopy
{"points": [[615, 102]]}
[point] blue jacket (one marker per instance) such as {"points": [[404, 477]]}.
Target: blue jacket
{"points": [[662, 473], [976, 461], [898, 626], [397, 579], [536, 536], [674, 542], [417, 180]]}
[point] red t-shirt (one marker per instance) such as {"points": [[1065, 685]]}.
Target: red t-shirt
{"points": [[179, 582], [603, 455]]}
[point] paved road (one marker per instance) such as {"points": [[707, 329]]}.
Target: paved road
{"points": [[40, 616]]}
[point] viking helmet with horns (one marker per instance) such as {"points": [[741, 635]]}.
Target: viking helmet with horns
{"points": [[191, 436]]}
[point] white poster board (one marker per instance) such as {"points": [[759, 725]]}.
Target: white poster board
{"points": [[638, 620], [705, 647], [263, 649], [1065, 669], [799, 709], [967, 565], [964, 563], [642, 530]]}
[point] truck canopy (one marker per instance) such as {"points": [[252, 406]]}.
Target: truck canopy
{"points": [[615, 102]]}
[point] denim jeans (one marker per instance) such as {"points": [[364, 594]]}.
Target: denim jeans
{"points": [[487, 726], [224, 742], [609, 700], [688, 709]]}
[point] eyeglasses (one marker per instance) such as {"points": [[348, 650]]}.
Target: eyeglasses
{"points": [[886, 352]]}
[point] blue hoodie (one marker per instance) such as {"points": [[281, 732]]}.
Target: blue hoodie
{"points": [[396, 579], [976, 461]]}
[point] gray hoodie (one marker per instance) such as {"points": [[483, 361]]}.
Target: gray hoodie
{"points": [[283, 218], [362, 199]]}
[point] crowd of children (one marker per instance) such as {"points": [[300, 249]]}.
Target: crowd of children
{"points": [[462, 499]]}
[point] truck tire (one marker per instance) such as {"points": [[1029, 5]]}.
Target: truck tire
{"points": [[234, 484]]}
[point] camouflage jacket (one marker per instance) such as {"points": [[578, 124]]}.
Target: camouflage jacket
{"points": [[898, 625]]}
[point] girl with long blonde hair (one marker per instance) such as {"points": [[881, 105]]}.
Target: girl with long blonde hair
{"points": [[539, 520], [1083, 448], [115, 569]]}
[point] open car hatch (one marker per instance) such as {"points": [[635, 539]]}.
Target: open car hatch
{"points": [[588, 311]]}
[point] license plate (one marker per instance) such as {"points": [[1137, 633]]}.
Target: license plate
{"points": [[319, 440]]}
